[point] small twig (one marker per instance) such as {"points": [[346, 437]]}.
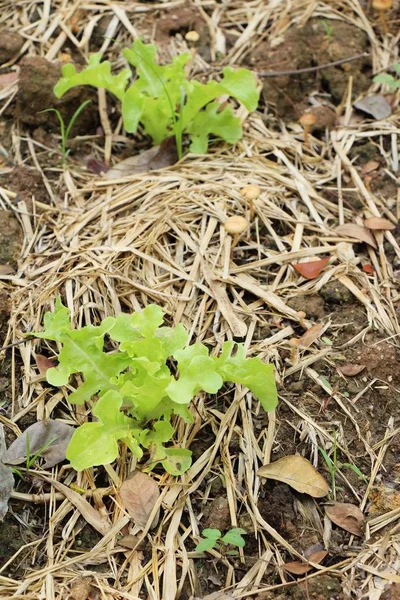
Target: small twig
{"points": [[336, 63], [17, 343]]}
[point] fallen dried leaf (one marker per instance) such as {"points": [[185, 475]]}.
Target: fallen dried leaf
{"points": [[375, 105], [96, 166], [368, 269], [346, 516], [369, 167], [90, 514], [351, 370], [7, 79], [39, 435], [311, 335], [139, 494], [6, 478], [133, 542], [311, 269], [43, 363], [379, 223], [357, 232], [158, 157], [297, 472], [6, 270], [300, 568]]}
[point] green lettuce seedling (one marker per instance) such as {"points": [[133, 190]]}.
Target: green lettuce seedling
{"points": [[389, 80], [213, 538], [164, 101], [137, 387]]}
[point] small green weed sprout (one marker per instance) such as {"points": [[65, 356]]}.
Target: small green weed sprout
{"points": [[334, 466], [392, 82], [213, 538], [328, 29], [137, 390], [65, 131], [164, 101]]}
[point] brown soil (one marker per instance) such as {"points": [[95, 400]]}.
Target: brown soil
{"points": [[35, 94], [306, 47], [10, 44]]}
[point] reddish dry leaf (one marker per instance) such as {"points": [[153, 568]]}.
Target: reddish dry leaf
{"points": [[8, 79], [139, 494], [378, 223], [346, 516], [351, 370], [369, 167], [368, 269], [158, 157], [311, 335], [297, 472], [43, 363], [300, 568], [6, 270], [311, 269], [297, 568], [357, 232], [96, 166]]}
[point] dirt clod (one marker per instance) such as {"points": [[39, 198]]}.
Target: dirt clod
{"points": [[37, 79], [312, 305], [335, 292], [10, 44], [10, 238], [303, 48], [216, 514]]}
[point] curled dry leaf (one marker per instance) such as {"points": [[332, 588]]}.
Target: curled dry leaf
{"points": [[6, 478], [139, 494], [369, 167], [368, 269], [158, 157], [7, 79], [297, 472], [311, 335], [379, 223], [88, 512], [357, 232], [48, 438], [311, 269], [300, 568], [375, 105], [351, 370], [43, 363], [346, 516], [6, 270], [133, 542]]}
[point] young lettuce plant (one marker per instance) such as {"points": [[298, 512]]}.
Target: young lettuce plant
{"points": [[136, 386], [164, 101]]}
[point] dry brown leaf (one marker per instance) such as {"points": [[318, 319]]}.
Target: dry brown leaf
{"points": [[369, 167], [7, 79], [311, 269], [155, 158], [311, 335], [357, 232], [346, 516], [314, 554], [133, 542], [139, 494], [7, 270], [297, 472], [351, 370], [90, 514], [49, 438], [43, 363], [375, 105], [379, 223]]}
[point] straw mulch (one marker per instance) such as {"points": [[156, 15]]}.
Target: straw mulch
{"points": [[159, 238]]}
